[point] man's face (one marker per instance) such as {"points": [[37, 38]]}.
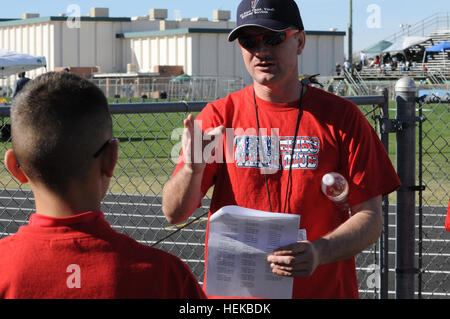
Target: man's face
{"points": [[273, 65]]}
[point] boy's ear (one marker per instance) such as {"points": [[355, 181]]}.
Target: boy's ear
{"points": [[110, 158], [13, 167]]}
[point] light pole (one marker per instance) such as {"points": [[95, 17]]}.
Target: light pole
{"points": [[405, 26], [350, 35]]}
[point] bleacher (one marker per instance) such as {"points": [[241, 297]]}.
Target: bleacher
{"points": [[367, 80], [436, 66], [440, 60]]}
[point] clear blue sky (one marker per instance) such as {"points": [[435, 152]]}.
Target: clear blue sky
{"points": [[373, 20]]}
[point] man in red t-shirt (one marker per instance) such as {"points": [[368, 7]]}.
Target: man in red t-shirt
{"points": [[266, 125], [62, 144]]}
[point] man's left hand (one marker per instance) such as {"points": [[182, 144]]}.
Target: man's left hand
{"points": [[295, 260]]}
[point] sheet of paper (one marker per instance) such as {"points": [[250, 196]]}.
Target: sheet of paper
{"points": [[238, 243]]}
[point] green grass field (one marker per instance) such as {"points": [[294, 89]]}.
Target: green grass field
{"points": [[436, 151], [145, 162]]}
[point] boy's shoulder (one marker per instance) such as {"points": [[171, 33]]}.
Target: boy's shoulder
{"points": [[8, 242], [137, 250], [10, 246]]}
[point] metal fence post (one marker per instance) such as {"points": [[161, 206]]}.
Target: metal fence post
{"points": [[384, 238], [405, 97]]}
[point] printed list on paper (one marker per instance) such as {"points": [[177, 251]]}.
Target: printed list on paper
{"points": [[238, 243]]}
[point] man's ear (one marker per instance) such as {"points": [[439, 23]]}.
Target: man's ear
{"points": [[13, 167], [110, 157], [301, 42]]}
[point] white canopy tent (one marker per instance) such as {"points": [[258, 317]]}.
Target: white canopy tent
{"points": [[13, 63], [412, 41], [405, 43]]}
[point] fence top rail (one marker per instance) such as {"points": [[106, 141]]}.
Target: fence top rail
{"points": [[367, 99], [157, 107], [186, 107]]}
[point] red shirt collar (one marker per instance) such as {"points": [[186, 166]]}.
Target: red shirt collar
{"points": [[47, 221]]}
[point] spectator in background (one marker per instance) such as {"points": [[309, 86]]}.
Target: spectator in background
{"points": [[20, 83], [387, 57], [393, 66], [376, 62], [363, 58], [395, 61], [338, 69], [347, 65], [383, 68], [408, 65], [62, 138]]}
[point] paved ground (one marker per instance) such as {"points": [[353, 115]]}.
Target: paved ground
{"points": [[141, 218]]}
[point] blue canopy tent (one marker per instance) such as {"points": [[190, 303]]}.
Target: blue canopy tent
{"points": [[440, 47]]}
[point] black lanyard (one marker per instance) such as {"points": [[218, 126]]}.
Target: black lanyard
{"points": [[294, 141]]}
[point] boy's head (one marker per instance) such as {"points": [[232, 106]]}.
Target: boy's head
{"points": [[58, 123]]}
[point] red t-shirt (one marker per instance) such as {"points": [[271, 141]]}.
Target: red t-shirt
{"points": [[447, 219], [83, 257], [333, 136]]}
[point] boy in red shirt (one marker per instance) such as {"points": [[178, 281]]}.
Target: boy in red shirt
{"points": [[63, 146]]}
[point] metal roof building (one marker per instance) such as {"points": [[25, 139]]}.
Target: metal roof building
{"points": [[113, 44]]}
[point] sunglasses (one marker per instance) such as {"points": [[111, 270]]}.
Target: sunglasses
{"points": [[97, 154], [269, 40], [104, 146]]}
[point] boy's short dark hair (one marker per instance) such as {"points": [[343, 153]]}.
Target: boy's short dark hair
{"points": [[58, 122]]}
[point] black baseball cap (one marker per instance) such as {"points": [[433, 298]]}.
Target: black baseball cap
{"points": [[275, 15]]}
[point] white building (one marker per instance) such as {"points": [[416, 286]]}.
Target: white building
{"points": [[112, 44], [207, 52]]}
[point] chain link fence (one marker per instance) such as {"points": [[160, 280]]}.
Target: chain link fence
{"points": [[433, 242], [149, 140], [182, 87]]}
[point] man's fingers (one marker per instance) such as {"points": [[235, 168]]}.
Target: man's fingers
{"points": [[291, 249], [288, 261], [291, 273], [292, 254], [213, 135], [189, 122], [217, 131], [281, 260], [295, 267], [296, 260], [195, 141]]}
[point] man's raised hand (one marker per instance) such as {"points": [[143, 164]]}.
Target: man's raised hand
{"points": [[198, 146]]}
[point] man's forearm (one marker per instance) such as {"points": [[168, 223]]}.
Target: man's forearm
{"points": [[350, 238], [181, 195]]}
